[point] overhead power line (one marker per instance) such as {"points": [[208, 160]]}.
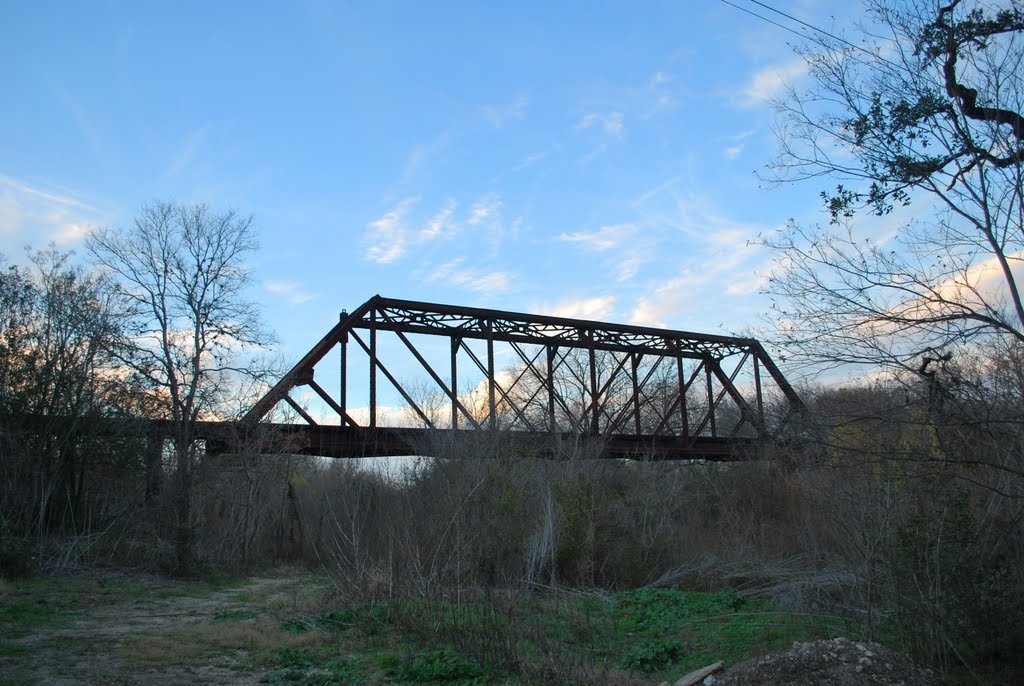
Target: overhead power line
{"points": [[764, 18], [812, 27]]}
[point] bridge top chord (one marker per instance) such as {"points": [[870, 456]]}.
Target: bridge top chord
{"points": [[715, 378]]}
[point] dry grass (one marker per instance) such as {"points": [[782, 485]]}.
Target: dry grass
{"points": [[197, 644]]}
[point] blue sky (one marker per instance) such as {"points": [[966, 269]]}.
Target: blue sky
{"points": [[579, 158]]}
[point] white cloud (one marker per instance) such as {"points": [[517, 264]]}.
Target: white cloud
{"points": [[31, 214], [738, 143], [475, 280], [769, 82], [70, 233], [530, 160], [716, 273], [485, 215], [733, 151], [598, 308], [661, 78], [499, 116], [290, 290], [387, 235], [611, 123], [440, 225], [660, 188], [485, 210], [605, 238], [647, 313], [628, 267]]}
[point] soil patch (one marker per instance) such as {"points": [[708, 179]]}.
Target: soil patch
{"points": [[110, 627]]}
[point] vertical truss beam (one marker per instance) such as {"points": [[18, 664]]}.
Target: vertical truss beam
{"points": [[534, 393]]}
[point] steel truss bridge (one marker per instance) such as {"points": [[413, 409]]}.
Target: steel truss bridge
{"points": [[539, 380]]}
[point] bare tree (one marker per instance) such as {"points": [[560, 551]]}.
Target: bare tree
{"points": [[922, 106], [181, 276]]}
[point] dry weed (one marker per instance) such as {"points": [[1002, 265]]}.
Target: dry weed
{"points": [[196, 644]]}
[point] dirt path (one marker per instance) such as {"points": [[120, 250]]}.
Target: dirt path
{"points": [[139, 629]]}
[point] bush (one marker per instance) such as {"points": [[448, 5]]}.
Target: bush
{"points": [[17, 555]]}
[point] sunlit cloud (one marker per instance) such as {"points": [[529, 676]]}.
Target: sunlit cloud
{"points": [[387, 236], [648, 313], [718, 271], [769, 82], [70, 233], [31, 213], [598, 308]]}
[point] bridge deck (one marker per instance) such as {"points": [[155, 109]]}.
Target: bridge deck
{"points": [[347, 442]]}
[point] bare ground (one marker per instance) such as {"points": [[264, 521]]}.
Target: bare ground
{"points": [[139, 629]]}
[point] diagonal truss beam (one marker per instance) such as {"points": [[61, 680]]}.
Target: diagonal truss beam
{"points": [[534, 395]]}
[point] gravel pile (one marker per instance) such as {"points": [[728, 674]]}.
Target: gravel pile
{"points": [[836, 662]]}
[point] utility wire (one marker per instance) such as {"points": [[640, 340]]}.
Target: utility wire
{"points": [[804, 23], [764, 18], [812, 27]]}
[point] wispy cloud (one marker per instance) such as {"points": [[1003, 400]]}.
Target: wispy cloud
{"points": [[486, 210], [387, 236], [421, 154], [289, 290], [441, 224], [605, 238], [500, 115], [456, 274], [658, 87], [610, 123], [598, 308], [31, 213], [629, 266], [529, 160], [188, 151], [57, 198], [769, 82], [485, 217], [738, 144], [660, 188], [719, 266]]}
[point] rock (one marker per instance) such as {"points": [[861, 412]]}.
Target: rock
{"points": [[698, 675]]}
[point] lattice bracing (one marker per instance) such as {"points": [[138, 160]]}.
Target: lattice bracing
{"points": [[555, 375]]}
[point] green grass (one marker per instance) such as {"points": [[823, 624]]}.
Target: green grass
{"points": [[627, 638], [651, 634], [16, 615]]}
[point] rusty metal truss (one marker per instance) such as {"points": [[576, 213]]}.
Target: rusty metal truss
{"points": [[632, 384]]}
